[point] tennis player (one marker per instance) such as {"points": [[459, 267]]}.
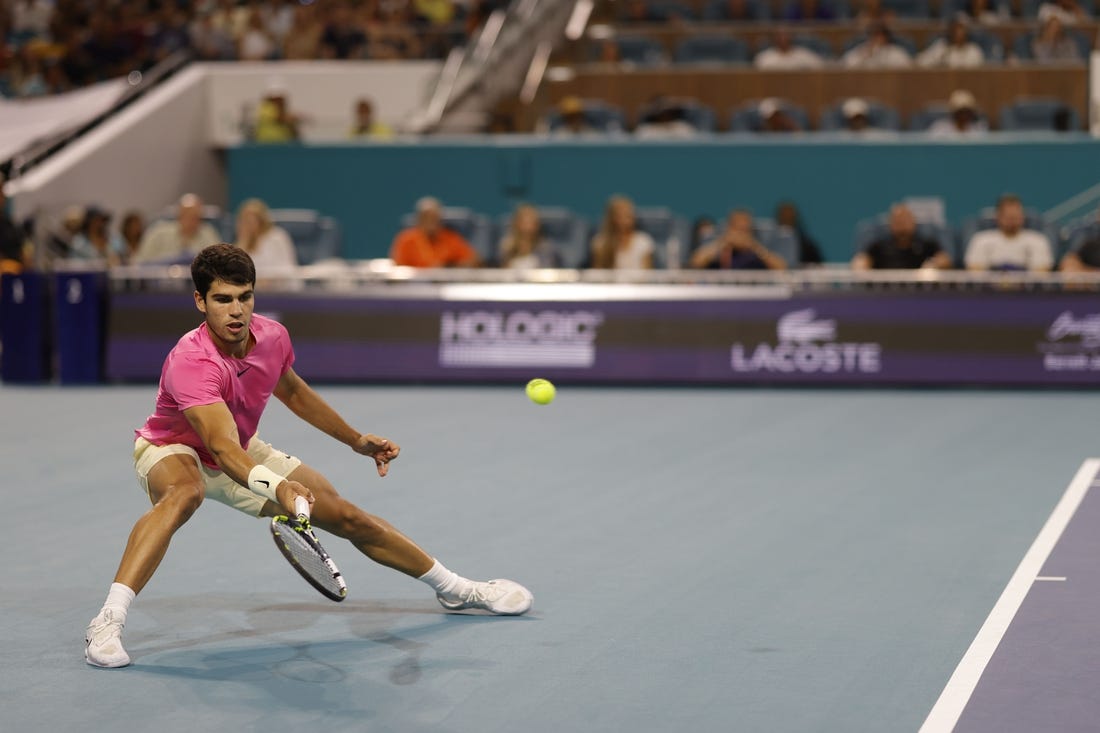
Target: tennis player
{"points": [[201, 442]]}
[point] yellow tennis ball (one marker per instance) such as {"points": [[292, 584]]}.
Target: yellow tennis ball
{"points": [[540, 391]]}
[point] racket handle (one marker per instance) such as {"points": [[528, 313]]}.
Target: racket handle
{"points": [[301, 505]]}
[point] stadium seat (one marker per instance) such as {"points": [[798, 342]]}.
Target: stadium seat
{"points": [[566, 230], [476, 228], [669, 232], [1077, 233], [315, 237], [664, 10], [1039, 114], [597, 114], [746, 118], [711, 50], [638, 50], [908, 9], [949, 8], [758, 10], [881, 116]]}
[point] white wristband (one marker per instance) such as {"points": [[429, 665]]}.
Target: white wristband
{"points": [[262, 480]]}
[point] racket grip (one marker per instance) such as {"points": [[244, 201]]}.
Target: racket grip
{"points": [[301, 506]]}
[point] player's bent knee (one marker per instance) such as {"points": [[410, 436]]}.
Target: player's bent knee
{"points": [[182, 499], [356, 525]]}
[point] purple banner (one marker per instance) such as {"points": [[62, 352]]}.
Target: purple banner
{"points": [[938, 338]]}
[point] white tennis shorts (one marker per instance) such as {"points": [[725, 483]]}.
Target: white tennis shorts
{"points": [[219, 487]]}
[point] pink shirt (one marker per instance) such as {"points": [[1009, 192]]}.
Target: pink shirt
{"points": [[196, 373]]}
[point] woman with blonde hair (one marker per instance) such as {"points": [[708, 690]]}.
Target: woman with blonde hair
{"points": [[618, 245], [524, 247], [269, 245]]}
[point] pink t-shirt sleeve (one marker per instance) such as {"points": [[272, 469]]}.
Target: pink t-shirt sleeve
{"points": [[195, 379]]}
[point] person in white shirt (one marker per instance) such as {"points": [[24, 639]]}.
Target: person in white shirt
{"points": [[167, 241], [964, 120], [1010, 246], [878, 52], [955, 50], [270, 246], [784, 55], [619, 245], [1068, 12]]}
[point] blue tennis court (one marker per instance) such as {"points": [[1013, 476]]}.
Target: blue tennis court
{"points": [[705, 559]]}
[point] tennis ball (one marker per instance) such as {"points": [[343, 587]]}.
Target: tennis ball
{"points": [[541, 391]]}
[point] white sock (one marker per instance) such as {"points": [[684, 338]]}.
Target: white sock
{"points": [[444, 581], [118, 600]]}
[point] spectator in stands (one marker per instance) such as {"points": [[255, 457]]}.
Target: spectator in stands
{"points": [[275, 122], [955, 50], [269, 245], [210, 42], [785, 55], [1069, 12], [170, 35], [608, 52], [984, 12], [870, 13], [182, 238], [802, 10], [879, 51], [366, 127], [640, 11], [31, 18], [303, 39], [735, 11], [59, 238], [665, 118], [788, 216], [573, 119], [964, 120], [342, 37], [524, 247], [95, 242], [774, 117], [902, 247], [391, 33], [1010, 246], [703, 229], [1052, 45], [130, 232], [434, 12], [428, 243], [14, 252], [256, 43], [619, 244], [736, 248], [1086, 255], [857, 119]]}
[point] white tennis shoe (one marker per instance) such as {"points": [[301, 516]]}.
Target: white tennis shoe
{"points": [[103, 641], [502, 597]]}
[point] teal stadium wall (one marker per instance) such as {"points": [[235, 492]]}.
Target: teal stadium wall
{"points": [[368, 188]]}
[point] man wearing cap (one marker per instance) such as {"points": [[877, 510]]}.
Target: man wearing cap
{"points": [[185, 237], [573, 119], [963, 121], [428, 243]]}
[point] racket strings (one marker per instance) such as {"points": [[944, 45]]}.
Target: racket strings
{"points": [[306, 557]]}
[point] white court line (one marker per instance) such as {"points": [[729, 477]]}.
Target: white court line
{"points": [[947, 710], [1051, 577]]}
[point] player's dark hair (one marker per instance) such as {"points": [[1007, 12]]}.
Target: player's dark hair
{"points": [[225, 262]]}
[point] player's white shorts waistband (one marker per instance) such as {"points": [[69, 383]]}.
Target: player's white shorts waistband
{"points": [[219, 487]]}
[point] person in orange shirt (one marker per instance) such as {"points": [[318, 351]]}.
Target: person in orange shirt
{"points": [[430, 244]]}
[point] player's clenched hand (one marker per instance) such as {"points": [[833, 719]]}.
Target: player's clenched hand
{"points": [[380, 449], [287, 490]]}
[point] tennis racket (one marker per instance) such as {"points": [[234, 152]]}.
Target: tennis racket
{"points": [[295, 539]]}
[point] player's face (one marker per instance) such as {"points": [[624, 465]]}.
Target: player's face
{"points": [[228, 310]]}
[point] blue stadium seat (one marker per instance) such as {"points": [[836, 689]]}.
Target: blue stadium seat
{"points": [[841, 9], [1039, 113], [711, 50], [566, 230], [1077, 233], [881, 116], [476, 228], [909, 9], [669, 231], [638, 50], [758, 10], [746, 118], [948, 8], [315, 237], [668, 9], [597, 113]]}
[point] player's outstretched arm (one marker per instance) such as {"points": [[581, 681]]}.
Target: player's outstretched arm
{"points": [[215, 426], [304, 402]]}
